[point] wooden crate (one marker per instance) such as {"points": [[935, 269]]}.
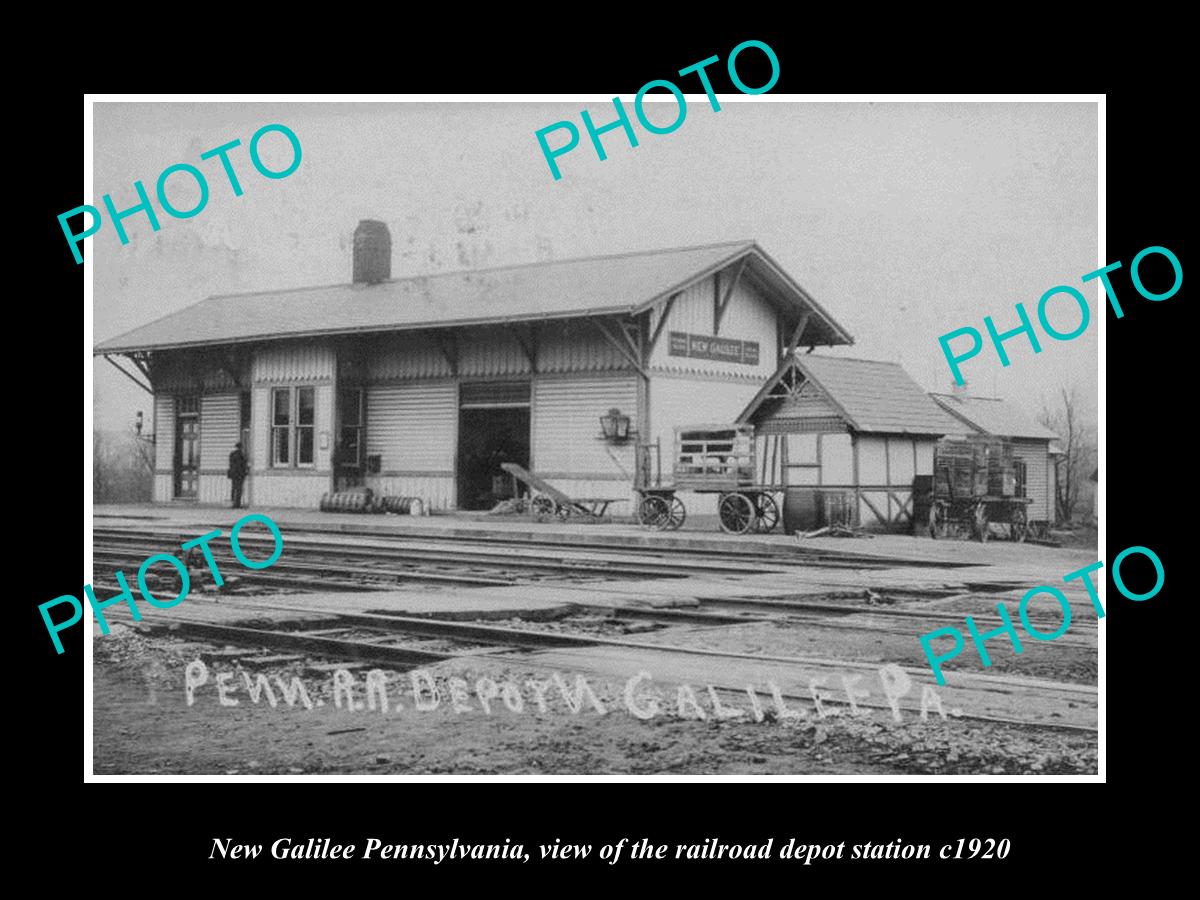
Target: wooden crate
{"points": [[714, 457]]}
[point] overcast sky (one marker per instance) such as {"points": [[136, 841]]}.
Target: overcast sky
{"points": [[904, 221]]}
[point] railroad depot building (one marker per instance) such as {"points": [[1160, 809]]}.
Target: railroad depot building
{"points": [[1035, 456], [421, 386]]}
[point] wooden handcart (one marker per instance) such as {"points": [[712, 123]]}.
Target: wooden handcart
{"points": [[713, 459], [974, 487], [547, 500]]}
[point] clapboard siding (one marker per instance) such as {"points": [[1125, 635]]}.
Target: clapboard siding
{"points": [[413, 427], [1034, 455], [220, 416], [164, 439], [566, 428]]}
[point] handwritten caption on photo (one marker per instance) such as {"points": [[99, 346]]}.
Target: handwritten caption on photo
{"points": [[641, 698], [1026, 326], [126, 596], [1083, 575]]}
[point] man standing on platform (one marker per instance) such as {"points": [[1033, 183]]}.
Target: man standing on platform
{"points": [[237, 473]]}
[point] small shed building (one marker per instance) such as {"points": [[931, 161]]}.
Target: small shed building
{"points": [[1034, 456], [845, 439]]}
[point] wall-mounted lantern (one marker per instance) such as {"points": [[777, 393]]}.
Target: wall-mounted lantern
{"points": [[615, 426]]}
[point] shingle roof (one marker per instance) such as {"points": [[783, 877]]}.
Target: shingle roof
{"points": [[991, 415], [601, 285], [874, 396]]}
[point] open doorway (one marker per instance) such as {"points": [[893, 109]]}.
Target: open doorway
{"points": [[490, 436]]}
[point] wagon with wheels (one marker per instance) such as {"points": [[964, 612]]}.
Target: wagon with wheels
{"points": [[949, 517], [974, 489], [713, 459], [546, 500]]}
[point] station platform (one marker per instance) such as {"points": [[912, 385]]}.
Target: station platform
{"points": [[598, 535]]}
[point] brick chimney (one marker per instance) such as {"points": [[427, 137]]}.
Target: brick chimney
{"points": [[372, 252]]}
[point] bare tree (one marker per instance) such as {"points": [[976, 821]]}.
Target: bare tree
{"points": [[1078, 441], [122, 468]]}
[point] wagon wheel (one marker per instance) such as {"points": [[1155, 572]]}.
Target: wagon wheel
{"points": [[736, 513], [981, 522], [768, 512], [1018, 524], [542, 505], [938, 527], [653, 512], [677, 514]]}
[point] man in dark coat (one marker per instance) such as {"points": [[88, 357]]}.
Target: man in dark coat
{"points": [[237, 473]]}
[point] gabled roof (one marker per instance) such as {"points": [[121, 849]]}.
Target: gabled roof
{"points": [[599, 285], [872, 396], [990, 415]]}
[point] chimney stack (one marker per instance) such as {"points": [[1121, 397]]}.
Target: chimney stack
{"points": [[372, 252]]}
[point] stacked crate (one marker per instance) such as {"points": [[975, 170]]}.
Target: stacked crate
{"points": [[960, 468], [974, 467]]}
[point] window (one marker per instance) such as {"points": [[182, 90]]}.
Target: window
{"points": [[293, 423], [281, 419], [350, 408], [1019, 477]]}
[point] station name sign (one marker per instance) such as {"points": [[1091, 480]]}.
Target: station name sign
{"points": [[699, 346]]}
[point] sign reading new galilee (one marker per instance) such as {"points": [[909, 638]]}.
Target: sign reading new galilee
{"points": [[700, 346]]}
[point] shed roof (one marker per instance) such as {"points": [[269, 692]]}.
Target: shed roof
{"points": [[599, 285], [873, 396], [991, 415]]}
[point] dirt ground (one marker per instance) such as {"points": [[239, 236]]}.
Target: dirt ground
{"points": [[143, 725]]}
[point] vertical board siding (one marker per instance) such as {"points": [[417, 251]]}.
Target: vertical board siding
{"points": [[576, 347], [294, 363], [566, 428], [410, 355], [491, 351], [748, 317], [1034, 455], [412, 426]]}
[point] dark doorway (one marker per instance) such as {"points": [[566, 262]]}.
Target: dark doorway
{"points": [[486, 438], [187, 447]]}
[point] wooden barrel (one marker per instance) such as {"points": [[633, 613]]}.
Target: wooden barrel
{"points": [[408, 506]]}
